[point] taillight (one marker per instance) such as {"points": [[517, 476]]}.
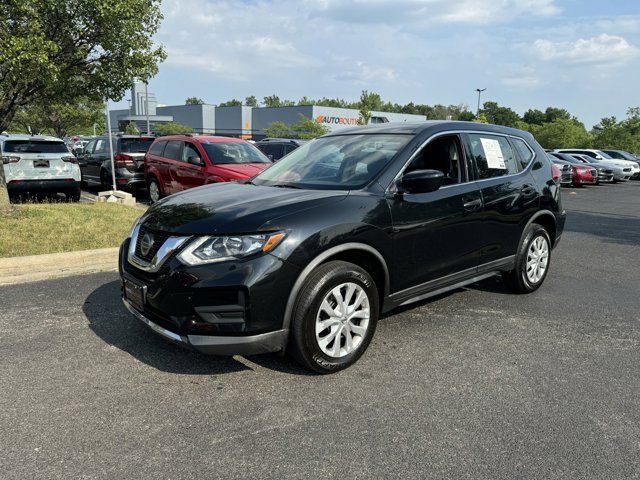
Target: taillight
{"points": [[555, 172], [123, 161], [69, 159], [10, 159]]}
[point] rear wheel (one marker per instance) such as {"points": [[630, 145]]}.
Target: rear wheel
{"points": [[335, 317], [73, 195], [155, 194], [532, 262]]}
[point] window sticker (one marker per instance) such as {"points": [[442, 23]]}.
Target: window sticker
{"points": [[493, 152]]}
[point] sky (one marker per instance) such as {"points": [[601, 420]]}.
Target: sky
{"points": [[580, 55]]}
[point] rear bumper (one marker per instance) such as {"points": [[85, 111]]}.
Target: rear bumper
{"points": [[129, 180], [219, 345], [61, 185]]}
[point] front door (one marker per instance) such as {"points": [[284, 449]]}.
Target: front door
{"points": [[434, 233], [189, 174]]}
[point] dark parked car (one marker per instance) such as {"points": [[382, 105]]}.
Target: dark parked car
{"points": [[276, 148], [566, 171], [179, 162], [307, 255], [128, 157]]}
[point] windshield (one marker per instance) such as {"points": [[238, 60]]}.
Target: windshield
{"points": [[34, 146], [619, 155], [233, 153], [135, 145], [342, 162]]}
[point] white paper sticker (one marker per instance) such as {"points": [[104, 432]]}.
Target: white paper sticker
{"points": [[493, 152]]}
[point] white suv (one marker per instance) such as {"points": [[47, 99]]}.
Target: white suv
{"points": [[630, 168], [39, 164]]}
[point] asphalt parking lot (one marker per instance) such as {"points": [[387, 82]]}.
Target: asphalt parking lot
{"points": [[474, 384]]}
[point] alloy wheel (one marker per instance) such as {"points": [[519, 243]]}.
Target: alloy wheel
{"points": [[537, 259], [342, 320], [154, 191]]}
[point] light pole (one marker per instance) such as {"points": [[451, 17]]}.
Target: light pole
{"points": [[113, 170], [479, 90], [146, 105]]}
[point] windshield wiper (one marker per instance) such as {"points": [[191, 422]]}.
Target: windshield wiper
{"points": [[286, 185]]}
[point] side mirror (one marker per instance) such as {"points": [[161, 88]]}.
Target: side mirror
{"points": [[422, 181], [194, 160]]}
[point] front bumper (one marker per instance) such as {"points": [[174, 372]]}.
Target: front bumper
{"points": [[63, 185], [218, 345]]}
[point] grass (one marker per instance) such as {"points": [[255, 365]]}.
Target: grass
{"points": [[37, 228]]}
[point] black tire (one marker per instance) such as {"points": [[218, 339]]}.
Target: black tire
{"points": [[153, 183], [105, 182], [74, 195], [517, 280], [304, 345]]}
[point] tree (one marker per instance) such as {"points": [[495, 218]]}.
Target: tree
{"points": [[251, 101], [57, 51], [500, 115], [561, 133], [60, 119], [171, 128], [534, 117], [131, 129], [306, 128], [271, 101], [194, 101], [234, 102], [552, 114]]}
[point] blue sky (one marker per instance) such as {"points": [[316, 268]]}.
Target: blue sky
{"points": [[579, 55]]}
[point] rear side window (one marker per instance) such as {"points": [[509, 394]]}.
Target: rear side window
{"points": [[493, 156], [157, 148], [34, 146], [172, 150], [135, 145], [524, 152]]}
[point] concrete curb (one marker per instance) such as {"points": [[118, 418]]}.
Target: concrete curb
{"points": [[55, 265]]}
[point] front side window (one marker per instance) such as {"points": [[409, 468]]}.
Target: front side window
{"points": [[340, 162], [34, 146], [493, 156], [443, 154], [189, 151], [101, 146], [221, 153]]}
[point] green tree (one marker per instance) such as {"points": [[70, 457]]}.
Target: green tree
{"points": [[533, 116], [500, 115], [305, 128], [251, 101], [482, 118], [194, 101], [278, 130], [59, 50], [552, 114], [60, 119], [271, 101], [561, 133], [172, 128], [231, 103], [131, 129]]}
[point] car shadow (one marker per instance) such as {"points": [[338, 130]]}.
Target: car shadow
{"points": [[111, 321], [612, 228]]}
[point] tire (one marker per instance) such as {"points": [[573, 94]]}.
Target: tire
{"points": [[310, 343], [74, 195], [105, 183], [155, 192], [519, 280]]}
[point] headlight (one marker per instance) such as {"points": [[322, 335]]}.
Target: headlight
{"points": [[217, 249]]}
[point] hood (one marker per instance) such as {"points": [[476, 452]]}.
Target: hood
{"points": [[231, 208], [619, 163], [240, 171]]}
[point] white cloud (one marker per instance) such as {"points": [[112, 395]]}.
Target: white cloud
{"points": [[603, 48], [523, 78], [363, 74]]}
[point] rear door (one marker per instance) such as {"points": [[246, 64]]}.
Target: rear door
{"points": [[172, 159], [509, 193]]}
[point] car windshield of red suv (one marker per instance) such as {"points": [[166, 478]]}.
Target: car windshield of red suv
{"points": [[233, 152]]}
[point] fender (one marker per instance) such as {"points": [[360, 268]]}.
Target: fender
{"points": [[293, 295], [536, 215]]}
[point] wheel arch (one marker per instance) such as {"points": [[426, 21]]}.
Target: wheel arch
{"points": [[360, 254], [547, 219]]}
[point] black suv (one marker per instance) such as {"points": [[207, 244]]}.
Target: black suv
{"points": [[128, 157], [309, 253], [276, 148]]}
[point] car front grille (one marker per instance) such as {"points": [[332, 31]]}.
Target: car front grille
{"points": [[157, 238], [594, 173]]}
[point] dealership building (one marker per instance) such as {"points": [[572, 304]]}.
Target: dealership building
{"points": [[238, 121]]}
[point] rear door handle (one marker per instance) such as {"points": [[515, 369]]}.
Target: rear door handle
{"points": [[472, 205], [528, 190]]}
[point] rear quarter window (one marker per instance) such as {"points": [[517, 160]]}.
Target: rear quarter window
{"points": [[524, 152]]}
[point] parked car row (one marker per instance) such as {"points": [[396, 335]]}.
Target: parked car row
{"points": [[581, 167]]}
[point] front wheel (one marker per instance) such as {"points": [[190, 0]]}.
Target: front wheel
{"points": [[335, 317], [532, 261]]}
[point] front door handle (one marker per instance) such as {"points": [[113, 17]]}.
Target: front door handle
{"points": [[472, 205]]}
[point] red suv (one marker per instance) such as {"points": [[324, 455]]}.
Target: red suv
{"points": [[178, 162]]}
